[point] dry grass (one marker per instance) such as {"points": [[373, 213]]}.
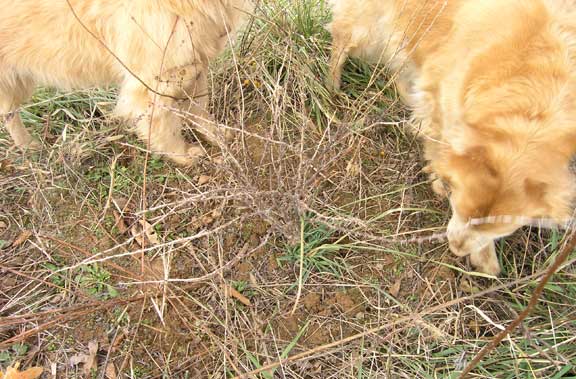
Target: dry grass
{"points": [[284, 246]]}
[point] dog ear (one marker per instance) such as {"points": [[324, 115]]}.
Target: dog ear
{"points": [[476, 182], [566, 143], [475, 162], [535, 190], [551, 199], [538, 200]]}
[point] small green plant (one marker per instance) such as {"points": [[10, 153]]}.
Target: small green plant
{"points": [[318, 251], [97, 174], [95, 280], [15, 352], [5, 356], [270, 374], [243, 287], [20, 349], [155, 164], [138, 371], [124, 179], [122, 317], [56, 278]]}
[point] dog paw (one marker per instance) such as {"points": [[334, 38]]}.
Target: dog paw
{"points": [[439, 188], [428, 169], [34, 145], [437, 184], [488, 268], [333, 84], [190, 158], [27, 143]]}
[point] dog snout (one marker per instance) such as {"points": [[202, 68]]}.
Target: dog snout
{"points": [[481, 250], [464, 242], [460, 246]]}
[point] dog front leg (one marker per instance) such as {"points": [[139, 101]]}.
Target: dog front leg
{"points": [[13, 92], [197, 107], [156, 123], [340, 52], [191, 82]]}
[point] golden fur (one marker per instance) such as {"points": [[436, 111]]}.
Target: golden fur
{"points": [[157, 51], [493, 83]]}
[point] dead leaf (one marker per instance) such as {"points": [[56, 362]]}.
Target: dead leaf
{"points": [[111, 371], [218, 160], [14, 373], [138, 236], [89, 360], [76, 359], [217, 213], [121, 203], [237, 295], [395, 288], [253, 280], [114, 138], [92, 363], [203, 179], [118, 341], [353, 168], [119, 223], [147, 230], [150, 232], [22, 237]]}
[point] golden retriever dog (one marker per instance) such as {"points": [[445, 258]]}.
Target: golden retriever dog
{"points": [[156, 51], [493, 84]]}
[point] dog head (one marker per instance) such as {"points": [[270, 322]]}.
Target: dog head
{"points": [[489, 182]]}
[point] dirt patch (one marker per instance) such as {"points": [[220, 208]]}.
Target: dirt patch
{"points": [[322, 313]]}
